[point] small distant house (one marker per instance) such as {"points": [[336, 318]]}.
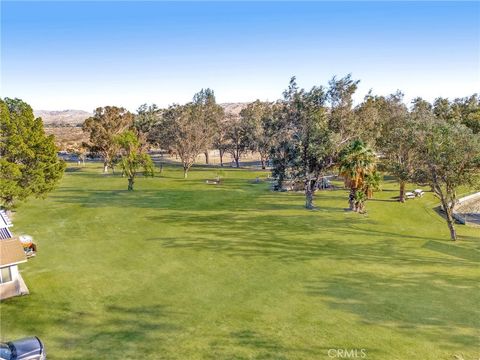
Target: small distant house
{"points": [[11, 254]]}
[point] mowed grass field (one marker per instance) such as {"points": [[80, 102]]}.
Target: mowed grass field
{"points": [[179, 269]]}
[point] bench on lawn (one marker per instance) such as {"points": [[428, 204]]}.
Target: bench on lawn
{"points": [[213, 181], [410, 195], [418, 192]]}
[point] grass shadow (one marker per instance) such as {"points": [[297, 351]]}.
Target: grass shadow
{"points": [[407, 303], [453, 250]]}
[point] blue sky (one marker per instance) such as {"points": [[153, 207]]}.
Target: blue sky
{"points": [[81, 55]]}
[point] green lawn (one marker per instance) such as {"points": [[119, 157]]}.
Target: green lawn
{"points": [[179, 269]]}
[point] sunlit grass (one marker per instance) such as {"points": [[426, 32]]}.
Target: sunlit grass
{"points": [[179, 269]]}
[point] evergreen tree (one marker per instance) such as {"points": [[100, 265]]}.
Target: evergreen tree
{"points": [[29, 165], [305, 141]]}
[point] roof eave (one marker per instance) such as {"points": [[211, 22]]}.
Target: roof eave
{"points": [[14, 263]]}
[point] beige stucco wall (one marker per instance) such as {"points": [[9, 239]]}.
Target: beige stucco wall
{"points": [[15, 287]]}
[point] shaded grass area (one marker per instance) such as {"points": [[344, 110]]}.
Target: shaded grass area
{"points": [[179, 269]]}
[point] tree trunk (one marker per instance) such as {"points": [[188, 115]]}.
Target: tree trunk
{"points": [[221, 156], [130, 184], [369, 194], [281, 177], [448, 208], [105, 166], [402, 191], [453, 232], [207, 158], [185, 173], [359, 206], [262, 160], [8, 203], [236, 157], [308, 195], [351, 199], [451, 224]]}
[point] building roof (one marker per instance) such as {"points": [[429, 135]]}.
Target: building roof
{"points": [[4, 220], [5, 233], [11, 252], [5, 223]]}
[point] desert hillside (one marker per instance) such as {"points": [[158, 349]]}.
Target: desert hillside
{"points": [[233, 108], [65, 125], [63, 117], [77, 117]]}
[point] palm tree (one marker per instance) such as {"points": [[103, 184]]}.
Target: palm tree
{"points": [[372, 183], [357, 165]]}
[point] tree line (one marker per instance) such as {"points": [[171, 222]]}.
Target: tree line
{"points": [[305, 136], [319, 131], [309, 134]]}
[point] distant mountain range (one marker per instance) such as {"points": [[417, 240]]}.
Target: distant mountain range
{"points": [[77, 117], [62, 118], [233, 108]]}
